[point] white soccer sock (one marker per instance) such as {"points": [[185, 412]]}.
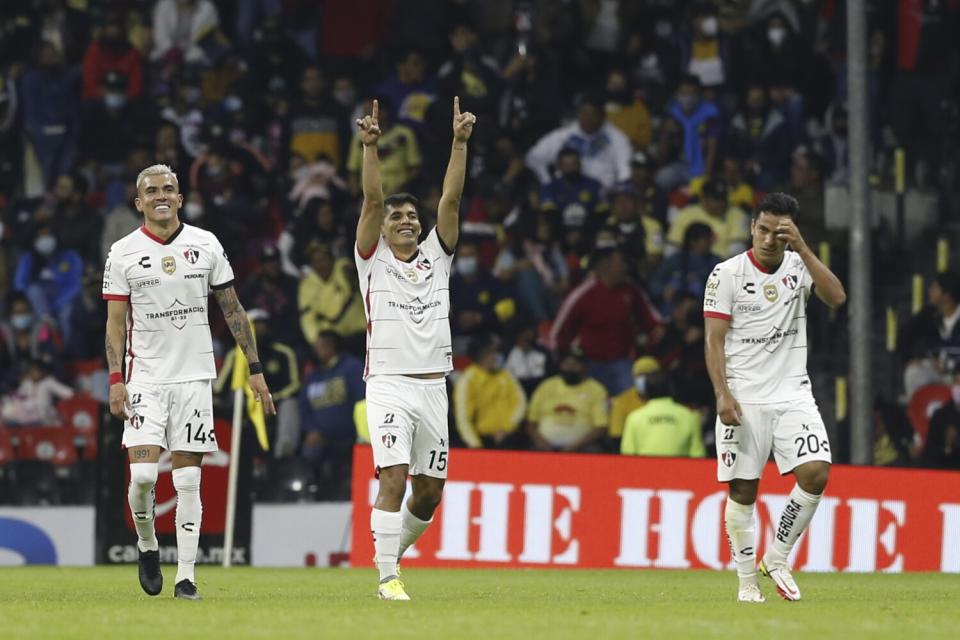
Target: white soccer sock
{"points": [[742, 535], [189, 514], [143, 477], [386, 526], [796, 516], [411, 528]]}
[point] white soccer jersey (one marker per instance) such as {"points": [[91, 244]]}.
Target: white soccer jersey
{"points": [[766, 344], [167, 283], [408, 309]]}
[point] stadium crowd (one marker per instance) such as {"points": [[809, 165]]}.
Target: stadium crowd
{"points": [[620, 149]]}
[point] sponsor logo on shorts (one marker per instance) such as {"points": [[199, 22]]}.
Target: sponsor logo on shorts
{"points": [[728, 458], [388, 439]]}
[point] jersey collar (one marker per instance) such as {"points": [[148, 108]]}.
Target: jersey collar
{"points": [[757, 263], [158, 239]]}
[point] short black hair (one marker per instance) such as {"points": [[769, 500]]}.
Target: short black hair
{"points": [[397, 199], [949, 281], [778, 204], [568, 151], [696, 231], [689, 78], [481, 344], [658, 385], [333, 337]]}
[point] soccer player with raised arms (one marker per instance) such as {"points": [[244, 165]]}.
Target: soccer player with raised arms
{"points": [[756, 349], [157, 282], [405, 286]]}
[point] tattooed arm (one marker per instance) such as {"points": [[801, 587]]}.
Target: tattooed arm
{"points": [[114, 344], [236, 318]]}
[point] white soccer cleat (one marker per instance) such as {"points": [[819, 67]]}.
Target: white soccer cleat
{"points": [[781, 576], [750, 593], [392, 590]]}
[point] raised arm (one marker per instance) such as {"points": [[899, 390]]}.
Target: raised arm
{"points": [[827, 286], [371, 212], [116, 328], [714, 346], [448, 211], [239, 325]]}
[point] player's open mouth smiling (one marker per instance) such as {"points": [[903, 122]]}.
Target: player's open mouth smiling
{"points": [[161, 207], [405, 231]]}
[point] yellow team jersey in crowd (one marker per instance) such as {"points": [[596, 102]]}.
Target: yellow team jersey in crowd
{"points": [[322, 304], [732, 228], [625, 403], [566, 413], [399, 156], [741, 195], [663, 428], [487, 402]]}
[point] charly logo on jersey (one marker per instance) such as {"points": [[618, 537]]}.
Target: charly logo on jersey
{"points": [[169, 264], [770, 292], [191, 255], [178, 313]]}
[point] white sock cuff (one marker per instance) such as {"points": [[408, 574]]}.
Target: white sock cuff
{"points": [[385, 522], [801, 496], [408, 515], [738, 510], [186, 479], [144, 473]]}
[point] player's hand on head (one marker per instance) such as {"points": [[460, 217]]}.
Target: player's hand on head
{"points": [[119, 401], [462, 122], [262, 394], [370, 126], [788, 232]]}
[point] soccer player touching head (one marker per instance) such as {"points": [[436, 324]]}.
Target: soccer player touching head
{"points": [[405, 283], [756, 349], [157, 281]]}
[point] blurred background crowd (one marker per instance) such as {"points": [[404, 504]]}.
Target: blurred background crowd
{"points": [[620, 149]]}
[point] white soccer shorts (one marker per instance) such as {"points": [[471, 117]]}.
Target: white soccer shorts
{"points": [[177, 416], [408, 423], [792, 429]]}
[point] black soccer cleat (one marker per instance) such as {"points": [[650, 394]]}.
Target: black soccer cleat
{"points": [[186, 590], [150, 577]]}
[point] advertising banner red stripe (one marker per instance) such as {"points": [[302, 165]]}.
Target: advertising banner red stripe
{"points": [[526, 509]]}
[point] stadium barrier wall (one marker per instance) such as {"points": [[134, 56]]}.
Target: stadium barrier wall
{"points": [[46, 535], [525, 509]]}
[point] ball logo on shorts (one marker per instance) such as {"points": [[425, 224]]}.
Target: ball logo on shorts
{"points": [[388, 439], [728, 458]]}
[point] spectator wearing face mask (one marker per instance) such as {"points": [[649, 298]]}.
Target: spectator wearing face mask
{"points": [[111, 53], [706, 52], [627, 111], [687, 147], [488, 403], [51, 278], [479, 302], [111, 124], [25, 336], [574, 199], [568, 411], [629, 400]]}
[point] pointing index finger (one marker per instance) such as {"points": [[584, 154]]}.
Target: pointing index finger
{"points": [[376, 109], [456, 106]]}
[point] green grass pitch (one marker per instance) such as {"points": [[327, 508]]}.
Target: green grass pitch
{"points": [[106, 602]]}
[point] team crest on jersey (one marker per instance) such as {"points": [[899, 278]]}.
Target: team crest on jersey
{"points": [[790, 281], [424, 264], [770, 292], [169, 264], [192, 255]]}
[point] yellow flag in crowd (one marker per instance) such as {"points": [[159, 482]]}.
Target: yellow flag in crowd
{"points": [[241, 375]]}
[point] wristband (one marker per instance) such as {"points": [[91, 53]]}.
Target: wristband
{"points": [[116, 378], [255, 368]]}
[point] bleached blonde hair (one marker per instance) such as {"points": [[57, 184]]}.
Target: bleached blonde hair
{"points": [[155, 170]]}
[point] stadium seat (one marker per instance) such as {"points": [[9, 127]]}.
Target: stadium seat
{"points": [[81, 414], [47, 444], [923, 403]]}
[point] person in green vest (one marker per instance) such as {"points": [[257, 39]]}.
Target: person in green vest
{"points": [[662, 427]]}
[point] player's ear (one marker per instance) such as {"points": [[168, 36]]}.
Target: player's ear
{"points": [[138, 205]]}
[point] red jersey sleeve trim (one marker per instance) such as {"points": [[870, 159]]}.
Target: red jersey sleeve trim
{"points": [[366, 255], [114, 296], [716, 314]]}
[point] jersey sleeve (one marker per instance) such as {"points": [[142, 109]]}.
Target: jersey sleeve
{"points": [[718, 294], [435, 246], [115, 285], [221, 273]]}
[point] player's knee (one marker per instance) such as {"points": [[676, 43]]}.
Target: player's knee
{"points": [[429, 494], [393, 484], [743, 491], [144, 474], [814, 480], [187, 480]]}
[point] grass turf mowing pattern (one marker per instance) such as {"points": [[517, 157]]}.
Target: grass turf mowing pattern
{"points": [[106, 602]]}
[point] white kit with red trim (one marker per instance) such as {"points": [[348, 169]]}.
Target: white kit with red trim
{"points": [[408, 308], [167, 283], [766, 344]]}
